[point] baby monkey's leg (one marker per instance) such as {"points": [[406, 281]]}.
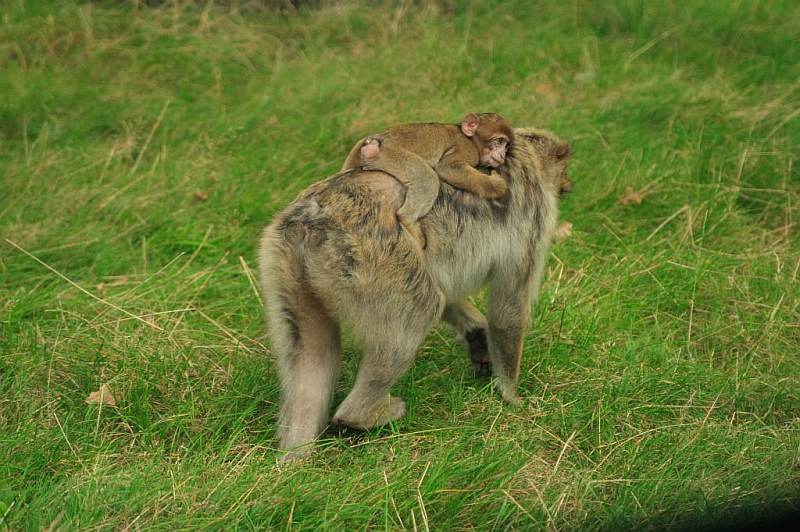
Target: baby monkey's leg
{"points": [[419, 179], [353, 161]]}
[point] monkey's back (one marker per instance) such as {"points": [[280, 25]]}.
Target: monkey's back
{"points": [[432, 141], [352, 246]]}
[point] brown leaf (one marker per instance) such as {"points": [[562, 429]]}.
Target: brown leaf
{"points": [[632, 196], [357, 127], [547, 92], [586, 75], [563, 231], [201, 196], [544, 89], [101, 397]]}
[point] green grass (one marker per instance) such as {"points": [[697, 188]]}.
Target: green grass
{"points": [[661, 375]]}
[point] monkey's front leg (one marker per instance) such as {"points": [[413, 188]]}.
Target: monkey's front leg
{"points": [[470, 325], [509, 310]]}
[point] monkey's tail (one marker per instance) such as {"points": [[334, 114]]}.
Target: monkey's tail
{"points": [[305, 342]]}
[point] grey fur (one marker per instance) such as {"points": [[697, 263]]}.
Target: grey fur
{"points": [[337, 255]]}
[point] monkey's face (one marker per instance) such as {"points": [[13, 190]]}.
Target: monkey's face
{"points": [[493, 151], [561, 154], [491, 134], [554, 154], [564, 183]]}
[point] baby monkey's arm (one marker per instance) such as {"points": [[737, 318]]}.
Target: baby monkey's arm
{"points": [[462, 175]]}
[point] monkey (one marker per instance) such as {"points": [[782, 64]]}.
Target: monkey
{"points": [[554, 170], [337, 256], [418, 155]]}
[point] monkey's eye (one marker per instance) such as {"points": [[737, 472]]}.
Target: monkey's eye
{"points": [[499, 142]]}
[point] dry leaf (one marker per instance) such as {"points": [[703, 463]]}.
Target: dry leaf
{"points": [[544, 89], [547, 91], [101, 397], [358, 126], [563, 231], [586, 75], [632, 196], [201, 195]]}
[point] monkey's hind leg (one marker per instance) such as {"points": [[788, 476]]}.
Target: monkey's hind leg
{"points": [[389, 350], [418, 177], [369, 403], [308, 348]]}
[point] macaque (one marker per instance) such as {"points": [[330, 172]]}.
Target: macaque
{"points": [[327, 260], [418, 155]]}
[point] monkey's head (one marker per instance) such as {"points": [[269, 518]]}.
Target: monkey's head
{"points": [[553, 153], [491, 134]]}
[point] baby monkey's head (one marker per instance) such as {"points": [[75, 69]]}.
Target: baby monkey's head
{"points": [[491, 134]]}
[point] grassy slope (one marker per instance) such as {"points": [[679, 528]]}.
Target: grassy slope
{"points": [[662, 370]]}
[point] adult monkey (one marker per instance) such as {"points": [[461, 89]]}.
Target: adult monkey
{"points": [[337, 255]]}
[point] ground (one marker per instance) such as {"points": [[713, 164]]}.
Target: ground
{"points": [[142, 149]]}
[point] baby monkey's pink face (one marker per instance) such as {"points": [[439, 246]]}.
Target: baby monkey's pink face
{"points": [[494, 150], [492, 136]]}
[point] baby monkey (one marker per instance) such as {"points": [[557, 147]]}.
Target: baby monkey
{"points": [[418, 155]]}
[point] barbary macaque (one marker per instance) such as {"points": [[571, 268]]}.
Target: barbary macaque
{"points": [[418, 155], [337, 256]]}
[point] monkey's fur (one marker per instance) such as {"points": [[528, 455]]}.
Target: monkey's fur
{"points": [[418, 155], [337, 255]]}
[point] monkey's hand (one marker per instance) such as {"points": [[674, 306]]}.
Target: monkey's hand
{"points": [[493, 186]]}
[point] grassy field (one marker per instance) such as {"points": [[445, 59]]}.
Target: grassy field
{"points": [[142, 150]]}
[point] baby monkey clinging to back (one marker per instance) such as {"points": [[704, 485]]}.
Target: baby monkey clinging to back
{"points": [[418, 155]]}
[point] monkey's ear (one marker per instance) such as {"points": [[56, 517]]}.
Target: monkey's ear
{"points": [[470, 124], [562, 152]]}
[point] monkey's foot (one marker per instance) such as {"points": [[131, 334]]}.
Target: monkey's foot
{"points": [[479, 352], [370, 150], [391, 410], [508, 391], [293, 456], [396, 410]]}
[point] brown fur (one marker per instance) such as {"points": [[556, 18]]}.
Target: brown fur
{"points": [[336, 255], [418, 155]]}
